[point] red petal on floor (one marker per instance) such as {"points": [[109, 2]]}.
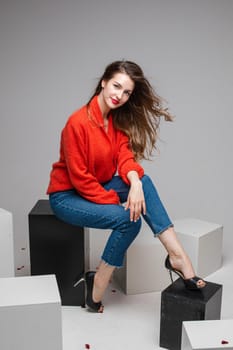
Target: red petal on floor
{"points": [[87, 346], [224, 342]]}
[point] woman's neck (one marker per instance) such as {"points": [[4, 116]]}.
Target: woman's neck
{"points": [[103, 107]]}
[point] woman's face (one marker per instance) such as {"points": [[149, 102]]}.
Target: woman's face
{"points": [[116, 91]]}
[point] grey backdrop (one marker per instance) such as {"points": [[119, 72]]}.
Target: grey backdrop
{"points": [[51, 55]]}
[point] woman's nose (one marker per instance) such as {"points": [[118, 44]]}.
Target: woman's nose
{"points": [[119, 94]]}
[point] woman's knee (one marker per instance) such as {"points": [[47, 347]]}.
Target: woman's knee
{"points": [[134, 227], [125, 224], [146, 180], [138, 224]]}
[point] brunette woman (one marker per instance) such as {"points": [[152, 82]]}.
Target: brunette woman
{"points": [[109, 135]]}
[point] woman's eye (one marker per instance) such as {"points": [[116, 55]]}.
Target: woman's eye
{"points": [[116, 85]]}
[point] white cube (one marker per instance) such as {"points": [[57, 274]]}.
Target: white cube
{"points": [[30, 313], [203, 335], [143, 269], [202, 241], [6, 244]]}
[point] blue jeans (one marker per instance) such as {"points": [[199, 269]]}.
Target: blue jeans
{"points": [[70, 207]]}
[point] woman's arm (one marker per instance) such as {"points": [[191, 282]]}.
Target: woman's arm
{"points": [[75, 153], [126, 161]]}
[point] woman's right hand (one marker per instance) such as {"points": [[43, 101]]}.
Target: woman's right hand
{"points": [[135, 201]]}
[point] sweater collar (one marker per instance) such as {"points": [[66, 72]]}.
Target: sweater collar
{"points": [[95, 111]]}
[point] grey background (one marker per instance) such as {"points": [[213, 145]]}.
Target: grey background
{"points": [[51, 54]]}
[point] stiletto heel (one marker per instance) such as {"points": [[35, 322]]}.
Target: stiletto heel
{"points": [[170, 273], [76, 284], [82, 279], [190, 283]]}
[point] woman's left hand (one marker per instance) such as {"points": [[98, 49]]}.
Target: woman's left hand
{"points": [[135, 201]]}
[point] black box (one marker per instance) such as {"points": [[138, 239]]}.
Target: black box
{"points": [[58, 248], [179, 304]]}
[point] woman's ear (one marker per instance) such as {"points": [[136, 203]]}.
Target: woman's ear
{"points": [[103, 83]]}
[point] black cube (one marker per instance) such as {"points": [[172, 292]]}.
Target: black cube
{"points": [[179, 304], [58, 248]]}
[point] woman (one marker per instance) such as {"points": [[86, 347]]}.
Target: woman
{"points": [[112, 133]]}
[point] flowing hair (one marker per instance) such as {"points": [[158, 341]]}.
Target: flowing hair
{"points": [[139, 117]]}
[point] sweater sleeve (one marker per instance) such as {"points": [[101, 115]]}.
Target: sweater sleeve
{"points": [[126, 161], [76, 154]]}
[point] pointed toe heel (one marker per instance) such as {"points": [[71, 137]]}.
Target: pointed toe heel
{"points": [[93, 306], [88, 279]]}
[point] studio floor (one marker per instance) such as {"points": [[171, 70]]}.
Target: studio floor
{"points": [[130, 322]]}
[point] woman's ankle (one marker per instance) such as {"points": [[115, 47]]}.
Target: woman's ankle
{"points": [[183, 263], [100, 285]]}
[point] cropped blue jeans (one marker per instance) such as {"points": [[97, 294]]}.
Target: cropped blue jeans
{"points": [[70, 207]]}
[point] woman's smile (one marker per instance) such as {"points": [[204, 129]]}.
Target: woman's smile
{"points": [[115, 101]]}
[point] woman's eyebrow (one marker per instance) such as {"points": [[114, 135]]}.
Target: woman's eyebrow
{"points": [[116, 82]]}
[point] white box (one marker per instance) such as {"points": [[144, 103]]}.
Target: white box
{"points": [[6, 244], [203, 242], [143, 269], [30, 313], [203, 335]]}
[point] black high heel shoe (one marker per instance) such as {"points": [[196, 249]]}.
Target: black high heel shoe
{"points": [[190, 283], [88, 278]]}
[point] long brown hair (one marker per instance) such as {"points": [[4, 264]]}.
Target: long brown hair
{"points": [[140, 116]]}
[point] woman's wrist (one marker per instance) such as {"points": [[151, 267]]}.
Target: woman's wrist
{"points": [[133, 177]]}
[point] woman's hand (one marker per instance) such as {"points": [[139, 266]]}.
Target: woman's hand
{"points": [[135, 201]]}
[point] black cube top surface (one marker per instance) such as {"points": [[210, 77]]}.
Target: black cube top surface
{"points": [[42, 207]]}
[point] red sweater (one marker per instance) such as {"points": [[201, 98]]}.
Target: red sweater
{"points": [[89, 156]]}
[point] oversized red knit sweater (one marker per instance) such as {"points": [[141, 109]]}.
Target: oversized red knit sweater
{"points": [[90, 156]]}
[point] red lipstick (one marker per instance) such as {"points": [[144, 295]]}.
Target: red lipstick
{"points": [[114, 101]]}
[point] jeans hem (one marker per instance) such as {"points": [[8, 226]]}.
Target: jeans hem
{"points": [[164, 229], [112, 265]]}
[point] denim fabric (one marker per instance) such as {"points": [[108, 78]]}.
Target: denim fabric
{"points": [[74, 209]]}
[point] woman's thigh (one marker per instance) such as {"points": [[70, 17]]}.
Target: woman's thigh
{"points": [[74, 209]]}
